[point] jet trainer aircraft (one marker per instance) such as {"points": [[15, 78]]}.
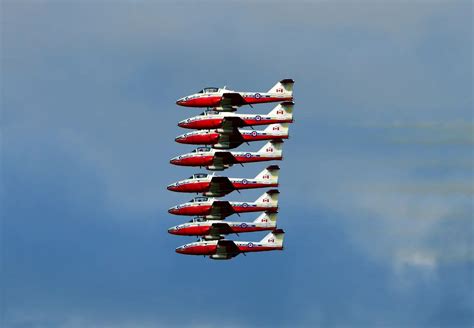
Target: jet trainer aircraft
{"points": [[232, 138], [282, 113], [223, 99], [213, 209], [214, 229], [217, 186], [227, 249], [219, 160]]}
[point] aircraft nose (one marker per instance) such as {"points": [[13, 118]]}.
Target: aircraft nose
{"points": [[180, 138], [180, 250], [173, 210], [172, 230], [174, 160], [182, 124], [172, 186], [180, 101]]}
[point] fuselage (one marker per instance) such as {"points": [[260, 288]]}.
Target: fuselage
{"points": [[206, 158], [214, 121], [202, 185], [205, 227], [203, 208], [213, 99], [211, 137], [210, 247]]}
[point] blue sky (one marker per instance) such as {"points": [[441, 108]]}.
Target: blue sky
{"points": [[376, 185]]}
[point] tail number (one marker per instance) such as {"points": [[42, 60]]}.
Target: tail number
{"points": [[266, 176], [269, 150], [266, 200], [276, 128], [279, 90]]}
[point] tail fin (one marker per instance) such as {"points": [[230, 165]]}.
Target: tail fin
{"points": [[270, 174], [275, 237], [284, 87], [282, 109], [273, 147], [281, 128], [267, 217], [270, 197]]}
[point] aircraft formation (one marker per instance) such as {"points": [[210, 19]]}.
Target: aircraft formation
{"points": [[218, 131]]}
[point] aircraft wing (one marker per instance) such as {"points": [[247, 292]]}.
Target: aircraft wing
{"points": [[221, 185], [230, 99], [230, 123], [231, 139], [227, 248], [221, 209], [223, 157], [219, 228]]}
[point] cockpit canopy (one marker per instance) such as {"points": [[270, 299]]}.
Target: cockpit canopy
{"points": [[201, 150], [209, 112], [198, 176], [209, 90], [198, 200], [198, 219]]}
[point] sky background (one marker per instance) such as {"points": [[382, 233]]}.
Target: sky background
{"points": [[376, 185]]}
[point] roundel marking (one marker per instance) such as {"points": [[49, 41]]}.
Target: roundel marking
{"points": [[258, 118], [248, 155], [250, 245], [254, 133], [245, 181], [243, 225], [257, 95], [245, 205]]}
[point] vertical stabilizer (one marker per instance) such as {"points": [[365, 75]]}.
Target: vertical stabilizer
{"points": [[283, 109], [275, 237], [284, 87], [269, 198], [270, 174], [266, 217], [273, 147]]}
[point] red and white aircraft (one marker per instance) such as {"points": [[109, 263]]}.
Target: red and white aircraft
{"points": [[282, 113], [218, 160], [218, 186], [228, 100], [227, 249], [227, 139], [214, 229], [214, 209]]}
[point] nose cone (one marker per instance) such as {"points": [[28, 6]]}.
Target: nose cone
{"points": [[173, 210], [181, 101], [180, 250], [181, 139], [172, 230], [171, 187], [182, 124], [174, 160]]}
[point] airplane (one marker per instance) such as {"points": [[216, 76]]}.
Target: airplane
{"points": [[282, 113], [227, 139], [226, 249], [213, 209], [217, 186], [222, 99], [218, 160], [214, 229]]}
